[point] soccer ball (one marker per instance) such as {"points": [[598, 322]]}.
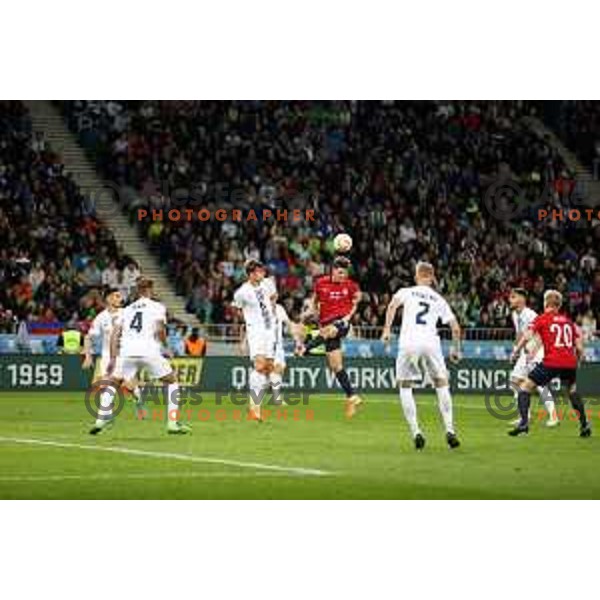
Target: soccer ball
{"points": [[342, 242]]}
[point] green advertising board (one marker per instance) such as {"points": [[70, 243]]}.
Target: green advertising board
{"points": [[372, 375]]}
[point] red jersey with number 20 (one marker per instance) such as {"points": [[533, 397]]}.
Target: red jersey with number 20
{"points": [[335, 298], [558, 334]]}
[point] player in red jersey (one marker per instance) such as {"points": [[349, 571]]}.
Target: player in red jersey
{"points": [[335, 299], [563, 347]]}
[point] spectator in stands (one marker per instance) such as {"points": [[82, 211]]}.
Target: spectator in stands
{"points": [[195, 345], [111, 276], [130, 276]]}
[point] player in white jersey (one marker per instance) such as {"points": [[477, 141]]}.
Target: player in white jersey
{"points": [[256, 299], [102, 327], [138, 340], [420, 349], [522, 317]]}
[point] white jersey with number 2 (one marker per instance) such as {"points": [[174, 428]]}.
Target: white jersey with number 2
{"points": [[423, 307], [140, 323]]}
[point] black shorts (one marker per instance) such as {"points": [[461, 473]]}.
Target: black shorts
{"points": [[541, 375], [335, 343]]}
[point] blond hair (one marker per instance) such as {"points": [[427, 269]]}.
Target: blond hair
{"points": [[553, 298], [424, 269]]}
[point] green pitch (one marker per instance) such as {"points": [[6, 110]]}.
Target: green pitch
{"points": [[46, 452]]}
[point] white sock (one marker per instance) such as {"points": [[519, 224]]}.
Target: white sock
{"points": [[546, 396], [173, 406], [137, 393], [445, 405], [410, 409], [276, 385], [106, 406], [258, 386]]}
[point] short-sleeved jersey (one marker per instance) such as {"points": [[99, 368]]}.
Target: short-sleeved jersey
{"points": [[335, 298], [522, 321], [256, 303], [423, 307], [558, 334], [102, 327], [141, 321], [283, 321]]}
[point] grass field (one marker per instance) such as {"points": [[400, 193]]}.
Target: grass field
{"points": [[46, 452]]}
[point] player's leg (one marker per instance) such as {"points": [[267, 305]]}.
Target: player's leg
{"points": [[110, 394], [407, 372], [435, 367], [577, 402], [549, 404], [107, 404], [539, 376], [259, 384], [517, 376], [335, 362], [276, 379], [160, 368]]}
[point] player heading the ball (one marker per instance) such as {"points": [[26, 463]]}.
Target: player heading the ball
{"points": [[335, 299]]}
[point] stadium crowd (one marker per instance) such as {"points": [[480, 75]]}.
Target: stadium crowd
{"points": [[406, 179], [55, 257]]}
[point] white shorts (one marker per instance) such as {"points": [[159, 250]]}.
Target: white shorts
{"points": [[417, 362], [261, 342], [157, 366], [522, 368], [279, 354]]}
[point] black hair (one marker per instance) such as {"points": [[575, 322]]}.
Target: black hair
{"points": [[341, 262], [110, 290], [521, 292]]}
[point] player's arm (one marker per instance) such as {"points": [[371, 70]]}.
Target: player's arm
{"points": [[355, 302], [521, 342], [390, 315], [115, 340], [311, 309], [579, 348], [87, 350], [87, 344], [162, 337], [456, 349], [243, 339]]}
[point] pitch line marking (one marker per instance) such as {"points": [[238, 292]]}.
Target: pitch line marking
{"points": [[168, 455], [131, 476]]}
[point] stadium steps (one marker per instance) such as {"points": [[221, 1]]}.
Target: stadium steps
{"points": [[45, 117], [589, 186]]}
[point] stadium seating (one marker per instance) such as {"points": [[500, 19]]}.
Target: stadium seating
{"points": [[406, 179], [53, 253]]}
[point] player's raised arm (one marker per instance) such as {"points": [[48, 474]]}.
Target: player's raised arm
{"points": [[390, 315]]}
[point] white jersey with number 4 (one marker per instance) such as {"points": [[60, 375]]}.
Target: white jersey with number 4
{"points": [[423, 307], [141, 321], [102, 327]]}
